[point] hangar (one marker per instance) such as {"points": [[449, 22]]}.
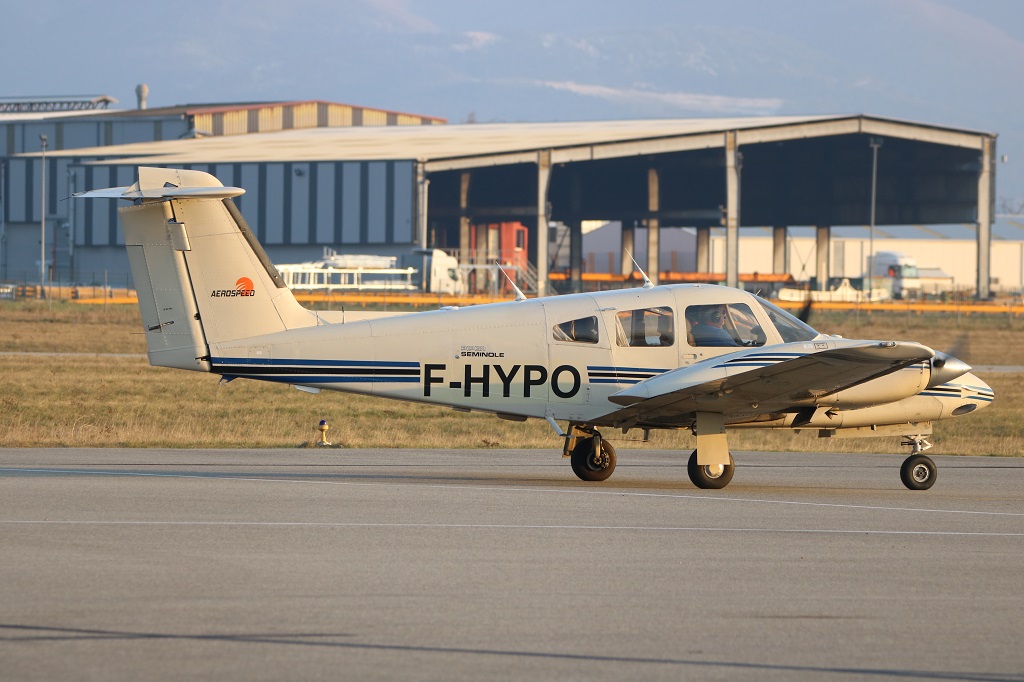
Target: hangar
{"points": [[370, 189]]}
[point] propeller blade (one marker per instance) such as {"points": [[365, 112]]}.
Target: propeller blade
{"points": [[805, 313]]}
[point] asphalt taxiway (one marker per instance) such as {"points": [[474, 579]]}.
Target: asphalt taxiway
{"points": [[500, 564]]}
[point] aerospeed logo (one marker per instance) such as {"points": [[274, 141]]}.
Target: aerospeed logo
{"points": [[243, 287]]}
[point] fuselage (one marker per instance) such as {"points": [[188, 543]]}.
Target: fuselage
{"points": [[563, 357]]}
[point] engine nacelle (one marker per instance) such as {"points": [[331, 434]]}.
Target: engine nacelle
{"points": [[890, 388]]}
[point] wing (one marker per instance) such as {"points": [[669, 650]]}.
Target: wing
{"points": [[758, 381]]}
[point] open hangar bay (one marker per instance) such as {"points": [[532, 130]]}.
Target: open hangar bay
{"points": [[493, 564]]}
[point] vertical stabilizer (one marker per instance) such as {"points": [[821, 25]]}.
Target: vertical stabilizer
{"points": [[201, 276]]}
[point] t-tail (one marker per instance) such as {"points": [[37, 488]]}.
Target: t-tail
{"points": [[201, 276]]}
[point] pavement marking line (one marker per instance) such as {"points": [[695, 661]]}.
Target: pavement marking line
{"points": [[618, 493], [501, 526]]}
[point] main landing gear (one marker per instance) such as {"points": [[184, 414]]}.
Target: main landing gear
{"points": [[710, 476], [918, 471], [591, 456]]}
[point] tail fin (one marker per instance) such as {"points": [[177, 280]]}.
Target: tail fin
{"points": [[201, 276]]}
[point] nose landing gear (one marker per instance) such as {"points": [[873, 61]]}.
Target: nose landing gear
{"points": [[918, 471]]}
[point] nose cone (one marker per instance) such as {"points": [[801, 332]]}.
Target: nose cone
{"points": [[945, 368], [975, 394], [982, 392]]}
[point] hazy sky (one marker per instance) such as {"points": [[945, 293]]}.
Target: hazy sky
{"points": [[948, 62]]}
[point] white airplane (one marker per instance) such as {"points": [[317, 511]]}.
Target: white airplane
{"points": [[698, 357]]}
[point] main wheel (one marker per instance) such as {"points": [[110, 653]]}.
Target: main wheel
{"points": [[710, 476], [591, 463], [918, 472]]}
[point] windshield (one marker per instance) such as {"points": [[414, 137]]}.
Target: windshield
{"points": [[790, 328]]}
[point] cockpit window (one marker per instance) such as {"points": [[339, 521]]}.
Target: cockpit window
{"points": [[645, 327], [723, 324], [583, 330], [790, 328]]}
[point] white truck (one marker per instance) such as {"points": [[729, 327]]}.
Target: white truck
{"points": [[438, 272], [897, 272]]}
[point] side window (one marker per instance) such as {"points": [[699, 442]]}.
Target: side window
{"points": [[723, 324], [645, 327], [583, 330]]}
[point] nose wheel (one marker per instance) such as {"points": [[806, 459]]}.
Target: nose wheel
{"points": [[918, 472]]}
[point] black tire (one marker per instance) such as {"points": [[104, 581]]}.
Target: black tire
{"points": [[705, 477], [589, 465], [918, 472]]}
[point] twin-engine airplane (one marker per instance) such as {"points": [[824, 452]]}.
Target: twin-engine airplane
{"points": [[698, 357]]}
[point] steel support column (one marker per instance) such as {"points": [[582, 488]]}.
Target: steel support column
{"points": [[576, 255], [628, 247], [464, 256], [480, 253], [823, 235], [733, 166], [543, 179], [575, 234], [703, 249], [986, 200], [780, 262], [653, 225], [422, 205]]}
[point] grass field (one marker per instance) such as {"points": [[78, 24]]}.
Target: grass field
{"points": [[89, 401]]}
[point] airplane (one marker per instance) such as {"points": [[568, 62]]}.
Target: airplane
{"points": [[706, 358]]}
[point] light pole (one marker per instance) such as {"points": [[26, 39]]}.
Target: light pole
{"points": [[875, 144], [42, 222]]}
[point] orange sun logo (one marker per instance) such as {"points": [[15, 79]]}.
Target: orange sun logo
{"points": [[244, 284]]}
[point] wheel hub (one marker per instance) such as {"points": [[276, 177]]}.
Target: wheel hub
{"points": [[714, 470], [921, 473]]}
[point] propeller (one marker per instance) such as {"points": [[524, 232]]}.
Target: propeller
{"points": [[805, 312], [948, 366]]}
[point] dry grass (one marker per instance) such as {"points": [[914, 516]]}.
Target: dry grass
{"points": [[70, 328], [83, 401]]}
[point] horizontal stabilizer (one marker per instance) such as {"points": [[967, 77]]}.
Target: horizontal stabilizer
{"points": [[167, 183], [132, 193]]}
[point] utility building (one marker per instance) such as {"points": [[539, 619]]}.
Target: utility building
{"points": [[388, 189]]}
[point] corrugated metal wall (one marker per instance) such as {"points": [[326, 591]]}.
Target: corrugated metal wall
{"points": [[329, 203], [354, 203]]}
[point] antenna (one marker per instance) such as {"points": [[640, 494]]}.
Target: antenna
{"points": [[520, 296], [648, 284]]}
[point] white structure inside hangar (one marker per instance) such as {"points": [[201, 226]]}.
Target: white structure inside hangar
{"points": [[951, 249]]}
